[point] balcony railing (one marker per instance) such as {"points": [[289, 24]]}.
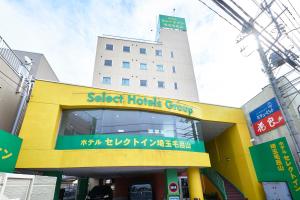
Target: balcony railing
{"points": [[12, 60]]}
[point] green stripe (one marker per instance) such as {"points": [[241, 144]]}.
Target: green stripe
{"points": [[125, 141]]}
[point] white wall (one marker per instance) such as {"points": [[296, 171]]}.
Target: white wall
{"points": [[170, 40]]}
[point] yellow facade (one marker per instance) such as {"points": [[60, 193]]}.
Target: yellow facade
{"points": [[230, 156], [40, 129]]}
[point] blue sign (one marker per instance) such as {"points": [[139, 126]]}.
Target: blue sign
{"points": [[264, 110]]}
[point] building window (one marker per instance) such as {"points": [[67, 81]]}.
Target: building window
{"points": [[88, 122], [125, 81], [106, 80], [173, 69], [143, 83], [158, 52], [161, 84], [108, 63], [143, 66], [142, 50], [160, 68], [109, 47], [175, 86], [172, 54], [126, 49], [126, 64]]}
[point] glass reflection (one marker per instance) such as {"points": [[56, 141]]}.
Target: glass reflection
{"points": [[110, 121]]}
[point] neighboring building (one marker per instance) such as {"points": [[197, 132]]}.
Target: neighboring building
{"points": [[40, 68], [264, 96], [161, 68], [14, 80], [274, 154]]}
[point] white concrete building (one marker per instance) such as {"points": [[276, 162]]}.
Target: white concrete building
{"points": [[160, 68]]}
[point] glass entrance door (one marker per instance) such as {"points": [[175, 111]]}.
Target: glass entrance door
{"points": [[184, 188]]}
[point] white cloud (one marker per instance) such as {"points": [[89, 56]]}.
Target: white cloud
{"points": [[66, 32]]}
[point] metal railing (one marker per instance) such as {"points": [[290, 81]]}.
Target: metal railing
{"points": [[11, 59], [216, 179]]}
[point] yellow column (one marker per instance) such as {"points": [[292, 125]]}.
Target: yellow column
{"points": [[195, 187]]}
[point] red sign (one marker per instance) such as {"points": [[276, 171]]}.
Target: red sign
{"points": [[269, 123], [173, 187]]}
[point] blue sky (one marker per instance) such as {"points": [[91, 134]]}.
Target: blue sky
{"points": [[66, 33]]}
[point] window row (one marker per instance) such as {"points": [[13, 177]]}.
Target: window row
{"points": [[143, 66], [143, 83], [127, 49], [132, 122]]}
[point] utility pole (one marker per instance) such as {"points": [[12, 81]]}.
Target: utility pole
{"points": [[248, 27], [278, 95]]}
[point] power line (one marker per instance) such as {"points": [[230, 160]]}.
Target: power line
{"points": [[294, 8], [288, 17], [219, 15], [247, 25]]}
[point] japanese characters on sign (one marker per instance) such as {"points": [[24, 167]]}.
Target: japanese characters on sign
{"points": [[266, 117], [9, 151], [123, 141], [273, 161], [172, 22], [288, 166]]}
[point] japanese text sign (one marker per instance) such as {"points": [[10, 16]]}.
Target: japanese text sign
{"points": [[172, 22], [266, 117], [273, 162], [9, 151], [125, 141]]}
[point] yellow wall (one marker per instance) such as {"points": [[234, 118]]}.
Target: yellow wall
{"points": [[209, 188], [230, 156], [40, 128]]}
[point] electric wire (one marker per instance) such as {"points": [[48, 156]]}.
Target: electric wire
{"points": [[257, 32], [298, 24], [286, 25], [295, 44], [294, 8], [246, 22], [219, 15], [256, 3], [293, 25]]}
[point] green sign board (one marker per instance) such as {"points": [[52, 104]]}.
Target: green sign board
{"points": [[172, 184], [125, 141], [9, 150], [172, 22], [273, 161]]}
